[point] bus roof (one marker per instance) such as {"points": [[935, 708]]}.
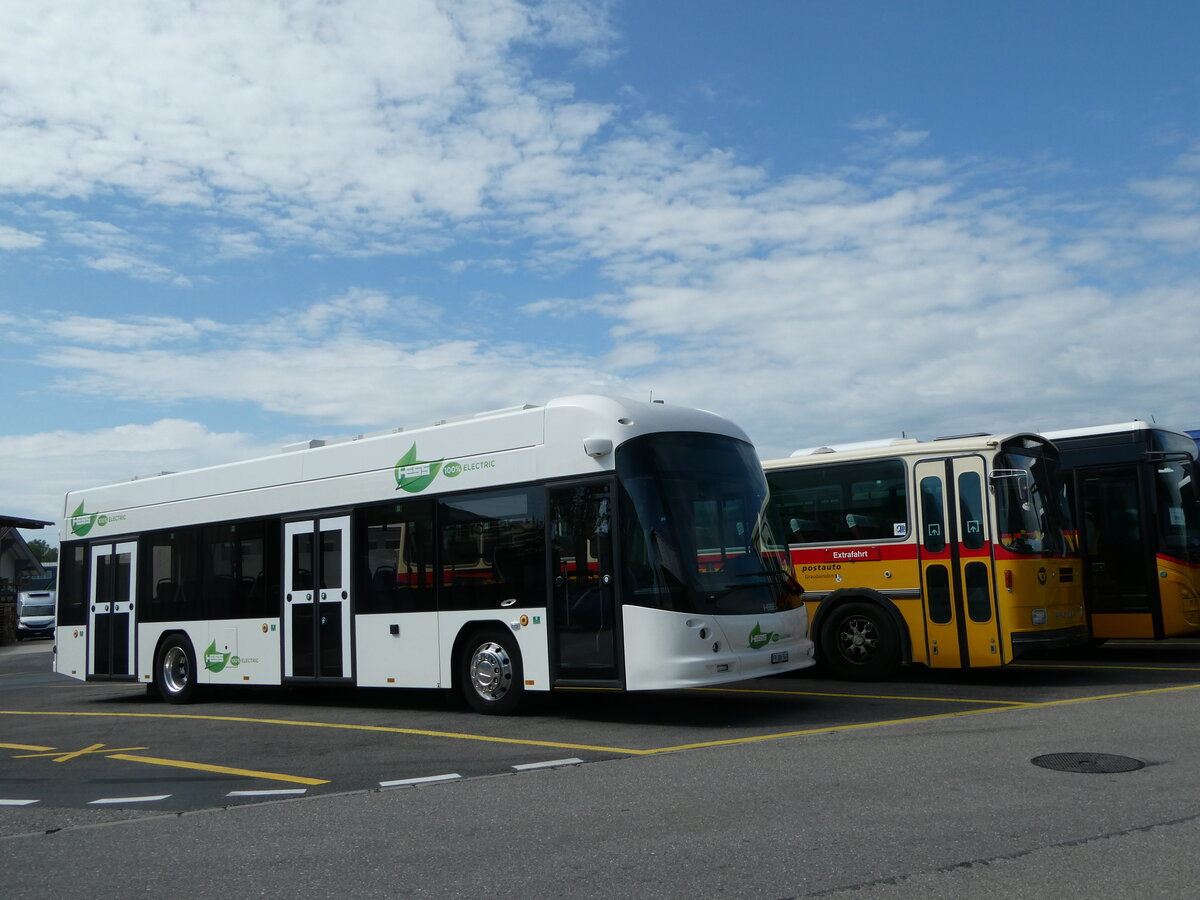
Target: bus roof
{"points": [[1119, 428], [901, 447], [854, 445], [568, 436]]}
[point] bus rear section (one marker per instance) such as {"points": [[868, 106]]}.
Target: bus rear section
{"points": [[1133, 490], [951, 553]]}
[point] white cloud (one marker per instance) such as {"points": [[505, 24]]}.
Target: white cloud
{"points": [[1174, 191], [583, 24], [363, 358], [303, 116], [1180, 230], [563, 307], [41, 468], [348, 380], [140, 331], [15, 239], [234, 244]]}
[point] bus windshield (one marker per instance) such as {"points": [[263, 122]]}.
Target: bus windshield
{"points": [[698, 533], [1179, 525], [1030, 503]]}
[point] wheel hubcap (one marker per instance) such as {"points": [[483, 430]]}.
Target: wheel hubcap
{"points": [[858, 639], [175, 670], [491, 671]]}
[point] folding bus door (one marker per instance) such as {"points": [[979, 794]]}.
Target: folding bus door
{"points": [[316, 606], [584, 612], [111, 626], [962, 627], [1120, 578]]}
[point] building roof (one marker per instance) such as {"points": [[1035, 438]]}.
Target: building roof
{"points": [[20, 522]]}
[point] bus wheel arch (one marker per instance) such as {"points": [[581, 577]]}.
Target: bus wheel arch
{"points": [[488, 668], [860, 635], [175, 672]]}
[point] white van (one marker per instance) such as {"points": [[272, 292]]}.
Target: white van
{"points": [[35, 605]]}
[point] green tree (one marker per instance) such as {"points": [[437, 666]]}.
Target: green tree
{"points": [[42, 551]]}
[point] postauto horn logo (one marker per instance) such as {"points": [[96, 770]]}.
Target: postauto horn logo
{"points": [[414, 475]]}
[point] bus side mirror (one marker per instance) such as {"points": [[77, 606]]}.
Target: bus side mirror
{"points": [[597, 447]]}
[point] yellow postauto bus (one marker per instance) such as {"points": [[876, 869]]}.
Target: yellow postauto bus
{"points": [[951, 553]]}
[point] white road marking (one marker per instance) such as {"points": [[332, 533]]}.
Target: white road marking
{"points": [[549, 764], [288, 792], [18, 802], [110, 800], [426, 780]]}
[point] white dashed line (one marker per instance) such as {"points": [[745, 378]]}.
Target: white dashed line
{"points": [[18, 802], [426, 780], [111, 800], [549, 764], [290, 792]]}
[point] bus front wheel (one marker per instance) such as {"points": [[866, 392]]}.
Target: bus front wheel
{"points": [[175, 672], [490, 674], [859, 642]]}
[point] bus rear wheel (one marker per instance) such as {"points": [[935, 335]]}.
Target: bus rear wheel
{"points": [[859, 642], [489, 673], [175, 670]]}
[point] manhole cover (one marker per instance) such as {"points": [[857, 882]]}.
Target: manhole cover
{"points": [[1105, 763]]}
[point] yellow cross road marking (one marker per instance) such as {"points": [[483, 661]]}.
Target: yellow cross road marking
{"points": [[120, 753], [59, 756], [220, 770]]}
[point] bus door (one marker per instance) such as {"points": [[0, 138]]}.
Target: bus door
{"points": [[110, 611], [316, 599], [1120, 588], [961, 623], [584, 609]]}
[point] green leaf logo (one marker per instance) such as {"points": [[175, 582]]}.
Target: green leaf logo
{"points": [[414, 475], [759, 638], [81, 522], [214, 660]]}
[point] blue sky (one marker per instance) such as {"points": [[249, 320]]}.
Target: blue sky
{"points": [[227, 226]]}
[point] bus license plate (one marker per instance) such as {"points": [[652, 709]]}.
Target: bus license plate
{"points": [[780, 656]]}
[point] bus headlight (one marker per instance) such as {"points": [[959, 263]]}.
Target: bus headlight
{"points": [[1039, 616]]}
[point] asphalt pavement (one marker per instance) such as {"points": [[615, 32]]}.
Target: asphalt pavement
{"points": [[952, 806]]}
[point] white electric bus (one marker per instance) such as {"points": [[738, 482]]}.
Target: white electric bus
{"points": [[594, 542]]}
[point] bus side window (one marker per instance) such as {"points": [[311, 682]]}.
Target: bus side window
{"points": [[970, 493], [72, 585], [395, 554], [933, 534], [827, 504], [170, 586], [493, 550], [236, 562]]}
